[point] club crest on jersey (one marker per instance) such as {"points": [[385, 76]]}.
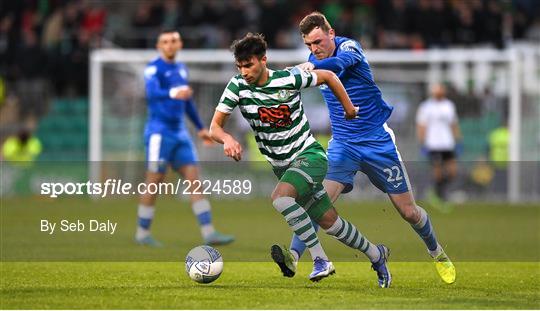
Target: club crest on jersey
{"points": [[284, 94], [277, 116]]}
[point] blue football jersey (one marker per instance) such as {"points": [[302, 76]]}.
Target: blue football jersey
{"points": [[165, 114], [351, 66]]}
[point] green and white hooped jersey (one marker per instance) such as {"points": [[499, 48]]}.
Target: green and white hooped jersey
{"points": [[274, 111]]}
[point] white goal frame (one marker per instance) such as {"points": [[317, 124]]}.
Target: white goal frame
{"points": [[434, 58]]}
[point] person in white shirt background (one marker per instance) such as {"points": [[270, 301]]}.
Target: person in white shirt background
{"points": [[439, 135]]}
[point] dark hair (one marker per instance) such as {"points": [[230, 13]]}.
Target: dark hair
{"points": [[250, 45], [168, 30], [314, 20]]}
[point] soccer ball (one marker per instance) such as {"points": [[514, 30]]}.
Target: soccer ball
{"points": [[204, 264]]}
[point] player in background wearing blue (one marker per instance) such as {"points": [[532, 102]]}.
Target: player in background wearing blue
{"points": [[167, 139], [365, 144]]}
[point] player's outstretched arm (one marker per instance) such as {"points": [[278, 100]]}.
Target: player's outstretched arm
{"points": [[231, 147], [335, 64], [329, 78]]}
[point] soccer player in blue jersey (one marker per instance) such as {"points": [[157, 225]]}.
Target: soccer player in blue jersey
{"points": [[167, 140], [270, 101], [365, 144]]}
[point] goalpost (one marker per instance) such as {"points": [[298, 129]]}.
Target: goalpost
{"points": [[118, 109]]}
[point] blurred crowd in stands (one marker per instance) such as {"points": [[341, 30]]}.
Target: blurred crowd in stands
{"points": [[44, 44]]}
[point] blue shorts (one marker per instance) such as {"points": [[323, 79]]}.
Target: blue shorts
{"points": [[162, 149], [377, 157]]}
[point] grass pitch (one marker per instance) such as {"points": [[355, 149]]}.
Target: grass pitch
{"points": [[244, 285], [495, 249]]}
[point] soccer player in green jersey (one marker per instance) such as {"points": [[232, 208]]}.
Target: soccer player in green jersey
{"points": [[270, 101]]}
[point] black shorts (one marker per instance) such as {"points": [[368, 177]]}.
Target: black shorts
{"points": [[441, 156]]}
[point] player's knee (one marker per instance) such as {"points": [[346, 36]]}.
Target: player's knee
{"points": [[328, 219], [283, 190], [275, 195], [282, 203], [409, 212], [148, 199]]}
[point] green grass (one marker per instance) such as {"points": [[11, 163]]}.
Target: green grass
{"points": [[495, 248], [259, 286]]}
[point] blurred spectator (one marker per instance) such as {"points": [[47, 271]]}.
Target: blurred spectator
{"points": [[149, 14], [464, 31], [344, 25], [30, 59], [267, 21], [440, 31], [77, 64], [393, 22], [61, 30], [235, 18], [491, 20], [7, 38], [30, 66], [172, 14], [53, 30], [21, 148], [93, 20], [422, 20], [72, 16]]}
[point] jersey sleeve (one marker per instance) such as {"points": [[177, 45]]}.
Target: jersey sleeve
{"points": [[348, 54], [421, 115], [230, 97], [302, 78], [193, 114], [152, 86]]}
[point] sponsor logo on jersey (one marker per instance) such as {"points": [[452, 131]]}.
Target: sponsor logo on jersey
{"points": [[277, 116]]}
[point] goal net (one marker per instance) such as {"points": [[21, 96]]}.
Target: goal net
{"points": [[491, 89]]}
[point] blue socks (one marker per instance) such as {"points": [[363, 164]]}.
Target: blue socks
{"points": [[425, 230]]}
